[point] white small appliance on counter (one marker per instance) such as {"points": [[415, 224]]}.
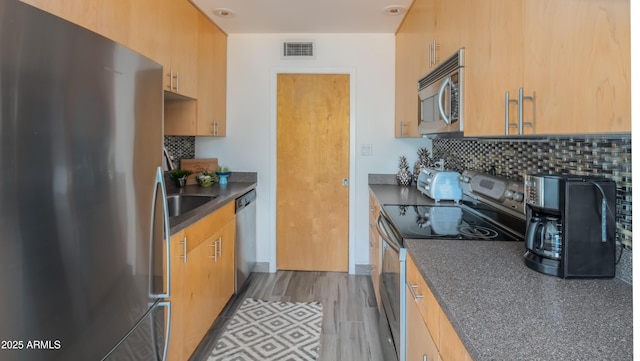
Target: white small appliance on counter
{"points": [[440, 184]]}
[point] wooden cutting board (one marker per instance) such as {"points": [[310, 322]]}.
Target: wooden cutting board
{"points": [[197, 166]]}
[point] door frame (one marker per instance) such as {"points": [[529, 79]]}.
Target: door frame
{"points": [[273, 133]]}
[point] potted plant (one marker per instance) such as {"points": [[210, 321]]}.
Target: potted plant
{"points": [[180, 176], [206, 178], [223, 173]]}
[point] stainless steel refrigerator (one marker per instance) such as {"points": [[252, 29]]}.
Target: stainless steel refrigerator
{"points": [[83, 255]]}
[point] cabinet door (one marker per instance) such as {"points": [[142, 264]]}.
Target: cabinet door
{"points": [[451, 347], [103, 17], [224, 277], [375, 254], [219, 99], [177, 299], [212, 79], [411, 51], [183, 22], [450, 24], [577, 61], [197, 285], [420, 344], [145, 15], [113, 20], [493, 66]]}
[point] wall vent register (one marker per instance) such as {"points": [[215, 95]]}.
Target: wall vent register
{"points": [[298, 49]]}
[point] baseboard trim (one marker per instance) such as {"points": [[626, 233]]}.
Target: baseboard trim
{"points": [[261, 267], [363, 270]]}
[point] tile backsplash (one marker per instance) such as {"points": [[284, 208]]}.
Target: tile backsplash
{"points": [[180, 148], [609, 157]]}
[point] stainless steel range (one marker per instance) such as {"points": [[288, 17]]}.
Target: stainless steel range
{"points": [[491, 209]]}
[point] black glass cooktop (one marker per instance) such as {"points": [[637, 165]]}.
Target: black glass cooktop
{"points": [[444, 222]]}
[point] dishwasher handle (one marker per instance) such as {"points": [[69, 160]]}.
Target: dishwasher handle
{"points": [[245, 200]]}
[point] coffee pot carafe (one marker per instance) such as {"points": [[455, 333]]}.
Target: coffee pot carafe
{"points": [[571, 225], [545, 237]]}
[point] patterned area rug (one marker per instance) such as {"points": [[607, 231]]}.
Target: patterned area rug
{"points": [[267, 330]]}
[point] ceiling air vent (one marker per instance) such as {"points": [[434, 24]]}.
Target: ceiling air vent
{"points": [[298, 50]]}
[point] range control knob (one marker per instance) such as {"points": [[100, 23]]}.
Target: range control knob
{"points": [[465, 179], [518, 196]]}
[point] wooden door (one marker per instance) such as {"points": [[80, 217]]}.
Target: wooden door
{"points": [[312, 205]]}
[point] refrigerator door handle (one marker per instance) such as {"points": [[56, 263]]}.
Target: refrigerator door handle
{"points": [[165, 220], [165, 350]]}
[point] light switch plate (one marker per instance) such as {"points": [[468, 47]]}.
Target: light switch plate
{"points": [[366, 149]]}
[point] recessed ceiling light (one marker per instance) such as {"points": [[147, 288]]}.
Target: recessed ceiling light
{"points": [[392, 10], [223, 13]]}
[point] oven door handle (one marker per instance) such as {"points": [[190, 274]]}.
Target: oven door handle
{"points": [[392, 242]]}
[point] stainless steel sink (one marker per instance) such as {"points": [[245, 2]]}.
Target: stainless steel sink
{"points": [[181, 203]]}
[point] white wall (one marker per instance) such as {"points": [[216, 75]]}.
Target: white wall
{"points": [[253, 62]]}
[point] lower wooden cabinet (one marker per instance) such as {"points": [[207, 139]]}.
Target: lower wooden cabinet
{"points": [[202, 279], [374, 246], [420, 344], [437, 328]]}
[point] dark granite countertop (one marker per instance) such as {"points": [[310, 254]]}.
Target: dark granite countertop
{"points": [[394, 194], [224, 194], [503, 310]]}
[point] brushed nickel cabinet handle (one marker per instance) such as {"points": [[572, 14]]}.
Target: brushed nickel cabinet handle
{"points": [[521, 99], [184, 249], [507, 101], [413, 289], [215, 251]]}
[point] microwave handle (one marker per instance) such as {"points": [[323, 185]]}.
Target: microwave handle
{"points": [[446, 82]]}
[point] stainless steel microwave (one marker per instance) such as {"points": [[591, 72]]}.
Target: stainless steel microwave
{"points": [[441, 94]]}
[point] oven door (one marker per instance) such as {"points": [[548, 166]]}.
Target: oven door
{"points": [[392, 292]]}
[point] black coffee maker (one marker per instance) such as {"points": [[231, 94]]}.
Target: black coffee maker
{"points": [[571, 225]]}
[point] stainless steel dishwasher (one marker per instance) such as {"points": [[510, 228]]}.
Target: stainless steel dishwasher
{"points": [[245, 237]]}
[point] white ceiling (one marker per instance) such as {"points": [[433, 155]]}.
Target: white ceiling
{"points": [[305, 16]]}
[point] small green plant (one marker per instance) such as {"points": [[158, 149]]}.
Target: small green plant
{"points": [[222, 169], [180, 173], [206, 178]]}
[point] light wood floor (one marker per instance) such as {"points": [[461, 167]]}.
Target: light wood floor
{"points": [[350, 319]]}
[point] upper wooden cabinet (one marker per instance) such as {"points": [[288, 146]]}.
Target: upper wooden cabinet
{"points": [[577, 61], [430, 33], [179, 29], [207, 115], [493, 66], [191, 49], [411, 63], [212, 85], [102, 17], [570, 58]]}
